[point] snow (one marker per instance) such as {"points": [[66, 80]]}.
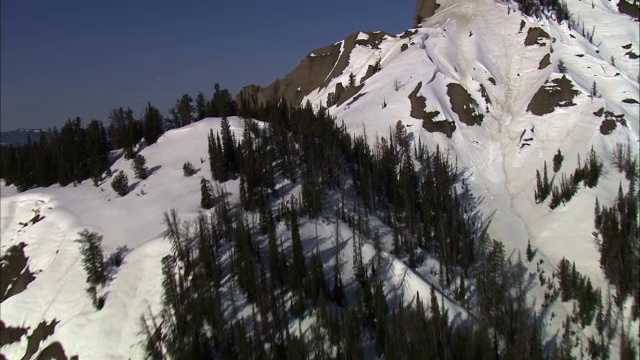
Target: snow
{"points": [[466, 42], [470, 42]]}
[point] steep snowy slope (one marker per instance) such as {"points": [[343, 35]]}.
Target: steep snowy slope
{"points": [[502, 59], [56, 297]]}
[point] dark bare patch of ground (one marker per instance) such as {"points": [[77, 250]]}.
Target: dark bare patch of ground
{"points": [[404, 47], [348, 93], [599, 112], [373, 41], [611, 122], [15, 275], [553, 94], [418, 103], [627, 47], [630, 9], [408, 34], [492, 81], [580, 55], [546, 61], [316, 70], [463, 104], [631, 55], [535, 35], [39, 335], [10, 335], [630, 101], [371, 70], [607, 126], [424, 9], [55, 351]]}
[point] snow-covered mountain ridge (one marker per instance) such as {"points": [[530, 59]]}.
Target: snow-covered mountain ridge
{"points": [[469, 79]]}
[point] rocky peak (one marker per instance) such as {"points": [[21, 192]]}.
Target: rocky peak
{"points": [[424, 9]]}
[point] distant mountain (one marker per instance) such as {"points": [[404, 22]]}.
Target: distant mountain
{"points": [[19, 136]]}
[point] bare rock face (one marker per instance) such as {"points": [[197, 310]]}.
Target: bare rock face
{"points": [[316, 70], [424, 9]]}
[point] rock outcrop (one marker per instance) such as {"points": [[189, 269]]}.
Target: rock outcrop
{"points": [[424, 9], [315, 71]]}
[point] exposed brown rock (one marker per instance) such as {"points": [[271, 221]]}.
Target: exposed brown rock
{"points": [[630, 9], [408, 34], [339, 90], [607, 126], [462, 104], [546, 61], [557, 93], [371, 70], [348, 93], [374, 40], [39, 335], [54, 351], [9, 334], [424, 9], [316, 70], [14, 272], [418, 103], [404, 47], [534, 35]]}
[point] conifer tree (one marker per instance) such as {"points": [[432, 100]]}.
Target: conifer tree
{"points": [[557, 161], [93, 263], [152, 124], [201, 106], [530, 252], [188, 169], [206, 196], [139, 167], [120, 184], [298, 265]]}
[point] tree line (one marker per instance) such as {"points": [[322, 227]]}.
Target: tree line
{"points": [[75, 153]]}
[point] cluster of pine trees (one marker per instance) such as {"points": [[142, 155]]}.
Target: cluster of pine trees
{"points": [[75, 153], [418, 196], [587, 173], [276, 286], [544, 8], [69, 155], [617, 238]]}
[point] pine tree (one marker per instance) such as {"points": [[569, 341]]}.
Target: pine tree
{"points": [[206, 196], [228, 148], [93, 263], [139, 167], [120, 184], [185, 110], [188, 169], [152, 124], [201, 106], [298, 266], [352, 80], [530, 252], [557, 161]]}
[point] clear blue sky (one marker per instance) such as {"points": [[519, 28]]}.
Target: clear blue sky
{"points": [[62, 59]]}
